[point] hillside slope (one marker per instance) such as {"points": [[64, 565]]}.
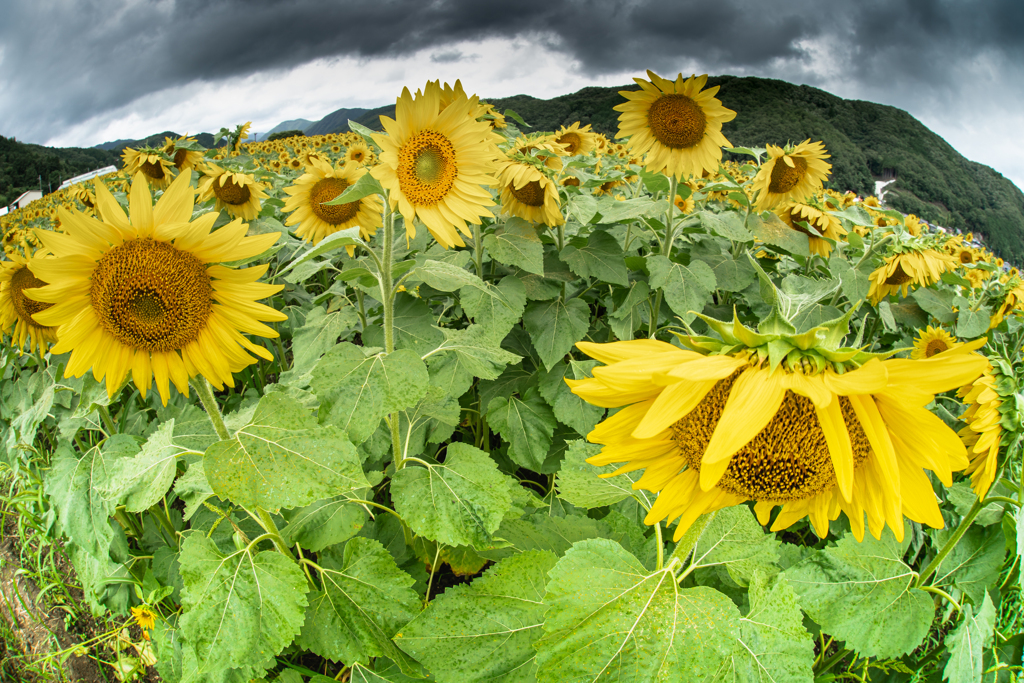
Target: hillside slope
{"points": [[22, 165]]}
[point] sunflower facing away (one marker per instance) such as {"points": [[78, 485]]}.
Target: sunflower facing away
{"points": [[321, 183], [790, 174], [984, 431], [678, 125], [528, 193], [238, 193], [17, 309], [143, 294], [184, 159], [436, 164], [901, 271], [819, 431]]}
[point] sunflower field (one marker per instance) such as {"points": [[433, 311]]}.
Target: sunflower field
{"points": [[457, 401]]}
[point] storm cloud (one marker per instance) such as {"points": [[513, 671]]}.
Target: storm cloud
{"points": [[952, 64]]}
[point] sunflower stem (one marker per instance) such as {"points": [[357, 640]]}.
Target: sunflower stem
{"points": [[947, 548], [209, 401], [267, 522], [478, 250], [108, 423], [661, 546], [670, 231], [387, 289]]}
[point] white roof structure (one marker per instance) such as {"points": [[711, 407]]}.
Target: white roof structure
{"points": [[88, 176], [26, 197]]}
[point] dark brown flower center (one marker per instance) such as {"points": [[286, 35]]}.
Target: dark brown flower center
{"points": [[572, 143], [150, 295], [25, 308], [531, 194], [788, 460], [898, 277], [231, 192], [785, 177], [677, 121], [324, 191], [152, 170]]}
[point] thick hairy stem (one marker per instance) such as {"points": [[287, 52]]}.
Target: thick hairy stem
{"points": [[965, 524], [387, 289], [209, 401]]}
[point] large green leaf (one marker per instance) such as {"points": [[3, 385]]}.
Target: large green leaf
{"points": [[323, 523], [540, 531], [773, 644], [466, 354], [527, 424], [686, 288], [608, 617], [728, 224], [365, 600], [239, 607], [598, 256], [193, 488], [517, 245], [76, 485], [143, 480], [861, 592], [495, 315], [771, 230], [459, 502], [356, 390], [569, 408], [414, 327], [734, 539], [318, 335], [966, 644], [484, 631], [555, 326], [283, 459], [975, 562], [580, 483], [633, 312]]}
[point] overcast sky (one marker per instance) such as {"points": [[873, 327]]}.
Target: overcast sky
{"points": [[82, 72]]}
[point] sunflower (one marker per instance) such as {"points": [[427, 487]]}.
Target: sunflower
{"points": [[908, 269], [359, 153], [437, 165], [576, 140], [1013, 300], [818, 431], [17, 309], [144, 617], [528, 193], [322, 183], [983, 433], [80, 192], [913, 224], [184, 159], [238, 193], [541, 146], [791, 173], [144, 294], [152, 163], [931, 341], [675, 123], [827, 225]]}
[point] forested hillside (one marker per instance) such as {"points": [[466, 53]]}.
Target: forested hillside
{"points": [[22, 165]]}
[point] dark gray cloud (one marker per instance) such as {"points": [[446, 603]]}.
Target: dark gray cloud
{"points": [[65, 62]]}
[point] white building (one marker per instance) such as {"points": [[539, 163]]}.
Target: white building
{"points": [[88, 176], [26, 198]]}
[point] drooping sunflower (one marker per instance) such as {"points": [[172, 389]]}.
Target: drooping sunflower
{"points": [[1013, 300], [184, 159], [983, 433], [529, 193], [795, 213], [151, 163], [437, 165], [321, 183], [237, 193], [819, 431], [932, 340], [675, 123], [576, 140], [901, 271], [144, 293], [790, 174], [16, 309]]}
